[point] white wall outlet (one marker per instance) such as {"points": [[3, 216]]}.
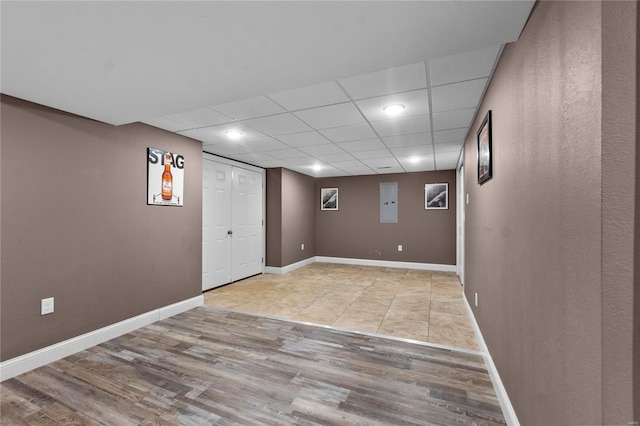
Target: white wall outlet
{"points": [[301, 246], [476, 300], [46, 306], [399, 247], [467, 198]]}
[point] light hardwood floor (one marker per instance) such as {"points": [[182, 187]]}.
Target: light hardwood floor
{"points": [[215, 366], [412, 304]]}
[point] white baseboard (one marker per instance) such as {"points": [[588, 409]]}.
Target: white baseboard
{"points": [[388, 263], [35, 359], [289, 268], [505, 403]]}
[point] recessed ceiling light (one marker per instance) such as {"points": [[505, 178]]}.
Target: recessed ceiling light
{"points": [[393, 109], [414, 159], [317, 167], [233, 134]]}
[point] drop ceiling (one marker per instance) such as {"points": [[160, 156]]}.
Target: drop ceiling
{"points": [[304, 82]]}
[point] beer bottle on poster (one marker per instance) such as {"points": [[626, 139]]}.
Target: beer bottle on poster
{"points": [[167, 178]]}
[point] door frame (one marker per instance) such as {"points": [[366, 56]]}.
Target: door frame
{"points": [[460, 218], [238, 164]]}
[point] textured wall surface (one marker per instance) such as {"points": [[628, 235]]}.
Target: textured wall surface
{"points": [[533, 232], [290, 217], [355, 231], [76, 225], [274, 217], [619, 168], [298, 217]]}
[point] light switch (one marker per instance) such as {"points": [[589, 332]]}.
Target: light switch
{"points": [[46, 306]]}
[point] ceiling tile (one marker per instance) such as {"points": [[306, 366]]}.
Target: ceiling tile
{"points": [[280, 124], [358, 170], [402, 126], [199, 118], [227, 148], [204, 137], [389, 170], [377, 163], [453, 119], [266, 144], [306, 161], [423, 164], [304, 139], [457, 95], [249, 108], [376, 153], [415, 102], [322, 149], [465, 66], [165, 123], [310, 97], [331, 158], [407, 140], [362, 145], [346, 164], [349, 133], [253, 157], [331, 116], [286, 154], [219, 132], [447, 160], [452, 135], [329, 171], [448, 147], [393, 80], [267, 164], [412, 151]]}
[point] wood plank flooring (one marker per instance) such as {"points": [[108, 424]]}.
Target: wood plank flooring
{"points": [[215, 366]]}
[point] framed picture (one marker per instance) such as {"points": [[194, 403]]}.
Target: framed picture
{"points": [[329, 199], [165, 178], [436, 196], [485, 155]]}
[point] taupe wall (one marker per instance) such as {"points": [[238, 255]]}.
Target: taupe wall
{"points": [[355, 231], [549, 240], [619, 168], [636, 269], [76, 226], [298, 217], [274, 217], [290, 217]]}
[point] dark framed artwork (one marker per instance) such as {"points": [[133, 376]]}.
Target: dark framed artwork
{"points": [[436, 196], [485, 153], [329, 198]]}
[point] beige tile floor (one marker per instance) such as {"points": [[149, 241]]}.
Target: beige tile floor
{"points": [[406, 303]]}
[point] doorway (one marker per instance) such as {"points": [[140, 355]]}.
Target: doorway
{"points": [[232, 222]]}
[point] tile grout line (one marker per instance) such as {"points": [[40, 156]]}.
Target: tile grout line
{"points": [[392, 300], [430, 299]]}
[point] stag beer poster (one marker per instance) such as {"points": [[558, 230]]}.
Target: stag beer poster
{"points": [[165, 178]]}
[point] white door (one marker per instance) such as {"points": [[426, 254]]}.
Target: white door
{"points": [[247, 223], [216, 224], [232, 227]]}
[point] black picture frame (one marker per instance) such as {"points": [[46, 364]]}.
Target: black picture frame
{"points": [[485, 150]]}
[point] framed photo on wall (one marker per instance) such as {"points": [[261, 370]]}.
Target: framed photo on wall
{"points": [[485, 154], [329, 199], [436, 196], [165, 178]]}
